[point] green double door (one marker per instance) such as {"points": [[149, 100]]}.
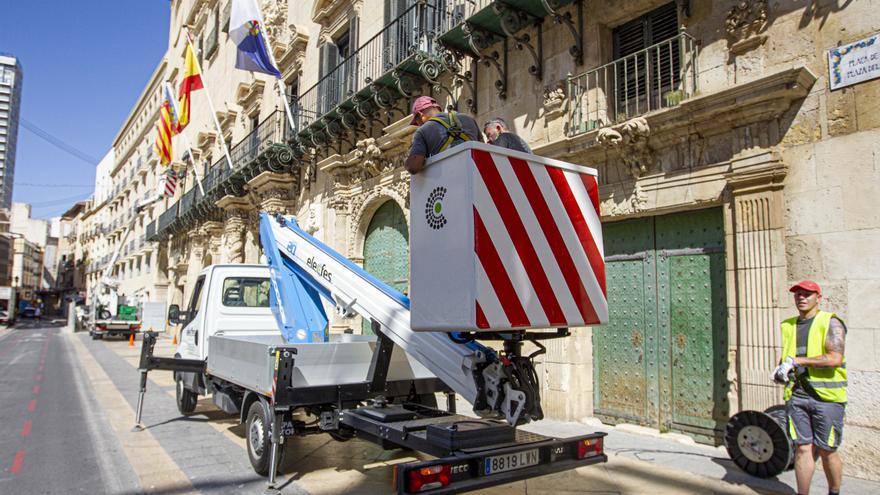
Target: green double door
{"points": [[386, 249], [661, 361]]}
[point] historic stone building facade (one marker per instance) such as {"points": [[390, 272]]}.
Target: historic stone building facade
{"points": [[728, 170]]}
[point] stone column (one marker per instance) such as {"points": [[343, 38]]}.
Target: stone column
{"points": [[213, 232], [754, 241], [235, 212]]}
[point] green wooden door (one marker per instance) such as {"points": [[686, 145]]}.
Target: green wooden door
{"points": [[693, 321], [386, 249], [662, 359], [622, 354]]}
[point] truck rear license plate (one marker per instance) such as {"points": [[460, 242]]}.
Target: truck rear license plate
{"points": [[509, 462]]}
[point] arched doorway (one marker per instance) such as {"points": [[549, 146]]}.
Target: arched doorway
{"points": [[386, 249]]}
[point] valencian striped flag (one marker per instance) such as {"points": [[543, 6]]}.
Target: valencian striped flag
{"points": [[246, 31], [164, 131], [192, 81]]}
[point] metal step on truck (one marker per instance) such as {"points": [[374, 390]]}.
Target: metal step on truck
{"points": [[506, 249]]}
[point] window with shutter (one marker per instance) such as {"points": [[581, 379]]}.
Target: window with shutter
{"points": [[648, 60], [227, 12], [293, 98], [401, 37]]}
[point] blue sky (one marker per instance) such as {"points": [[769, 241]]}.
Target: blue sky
{"points": [[85, 64]]}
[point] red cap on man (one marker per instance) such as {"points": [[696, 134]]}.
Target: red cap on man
{"points": [[807, 285], [421, 103]]}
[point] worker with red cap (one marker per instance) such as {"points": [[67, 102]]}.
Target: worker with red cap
{"points": [[437, 131], [813, 370]]}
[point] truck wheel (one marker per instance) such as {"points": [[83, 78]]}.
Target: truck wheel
{"points": [[97, 336], [259, 439], [186, 398]]}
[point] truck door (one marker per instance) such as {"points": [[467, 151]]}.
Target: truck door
{"points": [[190, 334]]}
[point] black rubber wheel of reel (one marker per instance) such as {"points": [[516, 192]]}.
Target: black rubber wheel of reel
{"points": [[782, 454]]}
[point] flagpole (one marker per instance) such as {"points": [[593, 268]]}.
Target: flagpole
{"points": [[281, 87], [189, 147], [208, 94]]}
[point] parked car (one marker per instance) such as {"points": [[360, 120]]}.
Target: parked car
{"points": [[28, 313]]}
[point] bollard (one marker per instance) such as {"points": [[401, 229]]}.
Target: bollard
{"points": [[131, 340]]}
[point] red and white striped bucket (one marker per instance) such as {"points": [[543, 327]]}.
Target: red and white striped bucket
{"points": [[504, 240]]}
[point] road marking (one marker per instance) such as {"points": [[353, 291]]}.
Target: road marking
{"points": [[160, 473], [17, 463], [32, 405], [26, 428]]}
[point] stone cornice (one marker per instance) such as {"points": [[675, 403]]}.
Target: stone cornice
{"points": [[759, 100], [291, 57], [230, 202], [249, 95]]}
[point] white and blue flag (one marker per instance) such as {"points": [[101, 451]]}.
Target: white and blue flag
{"points": [[246, 31]]}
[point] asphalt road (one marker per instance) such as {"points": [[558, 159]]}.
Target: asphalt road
{"points": [[67, 410], [52, 439]]}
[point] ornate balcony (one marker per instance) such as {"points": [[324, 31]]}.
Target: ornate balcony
{"points": [[660, 76], [262, 149]]}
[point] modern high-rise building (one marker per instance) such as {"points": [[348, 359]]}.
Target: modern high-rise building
{"points": [[10, 103]]}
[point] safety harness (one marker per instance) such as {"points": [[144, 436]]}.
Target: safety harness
{"points": [[453, 130]]}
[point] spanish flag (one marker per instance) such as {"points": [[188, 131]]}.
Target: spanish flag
{"points": [[192, 81], [164, 131]]}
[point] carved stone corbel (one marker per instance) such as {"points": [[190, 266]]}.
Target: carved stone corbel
{"points": [[274, 192], [630, 140]]}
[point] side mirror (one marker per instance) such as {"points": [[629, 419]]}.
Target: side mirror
{"points": [[174, 314]]}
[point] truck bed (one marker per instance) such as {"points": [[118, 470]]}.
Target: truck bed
{"points": [[249, 361]]}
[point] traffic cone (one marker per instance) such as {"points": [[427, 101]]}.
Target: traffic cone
{"points": [[131, 340], [174, 338]]}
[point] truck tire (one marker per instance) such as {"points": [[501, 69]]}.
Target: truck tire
{"points": [[259, 439], [186, 398]]}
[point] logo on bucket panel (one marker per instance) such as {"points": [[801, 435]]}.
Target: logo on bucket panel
{"points": [[434, 208]]}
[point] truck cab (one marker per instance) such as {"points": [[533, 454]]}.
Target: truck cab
{"points": [[226, 299]]}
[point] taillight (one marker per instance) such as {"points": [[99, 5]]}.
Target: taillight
{"points": [[428, 478], [135, 327], [589, 447], [102, 327]]}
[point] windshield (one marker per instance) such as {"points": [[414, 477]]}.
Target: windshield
{"points": [[246, 292]]}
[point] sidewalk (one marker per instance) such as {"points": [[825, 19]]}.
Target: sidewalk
{"points": [[641, 460]]}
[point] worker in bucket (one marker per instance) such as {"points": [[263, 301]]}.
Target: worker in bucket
{"points": [[437, 131], [815, 394], [498, 133]]}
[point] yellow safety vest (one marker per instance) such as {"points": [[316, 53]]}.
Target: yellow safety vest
{"points": [[829, 383], [453, 130]]}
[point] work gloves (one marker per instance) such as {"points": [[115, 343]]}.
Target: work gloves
{"points": [[780, 374]]}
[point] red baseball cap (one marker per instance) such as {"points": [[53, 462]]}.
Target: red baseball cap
{"points": [[808, 285], [421, 103]]}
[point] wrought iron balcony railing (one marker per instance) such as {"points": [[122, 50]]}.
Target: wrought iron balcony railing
{"points": [[260, 150], [660, 76], [373, 77]]}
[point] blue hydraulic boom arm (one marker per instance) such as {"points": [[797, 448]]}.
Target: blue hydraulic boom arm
{"points": [[304, 271]]}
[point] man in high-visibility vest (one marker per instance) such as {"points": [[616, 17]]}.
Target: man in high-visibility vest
{"points": [[815, 393], [437, 131]]}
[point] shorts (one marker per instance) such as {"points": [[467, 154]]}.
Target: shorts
{"points": [[812, 421]]}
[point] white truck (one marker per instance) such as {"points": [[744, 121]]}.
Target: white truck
{"points": [[104, 301], [256, 339]]}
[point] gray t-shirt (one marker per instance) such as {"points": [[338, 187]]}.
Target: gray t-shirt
{"points": [[803, 335], [513, 142], [430, 136]]}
